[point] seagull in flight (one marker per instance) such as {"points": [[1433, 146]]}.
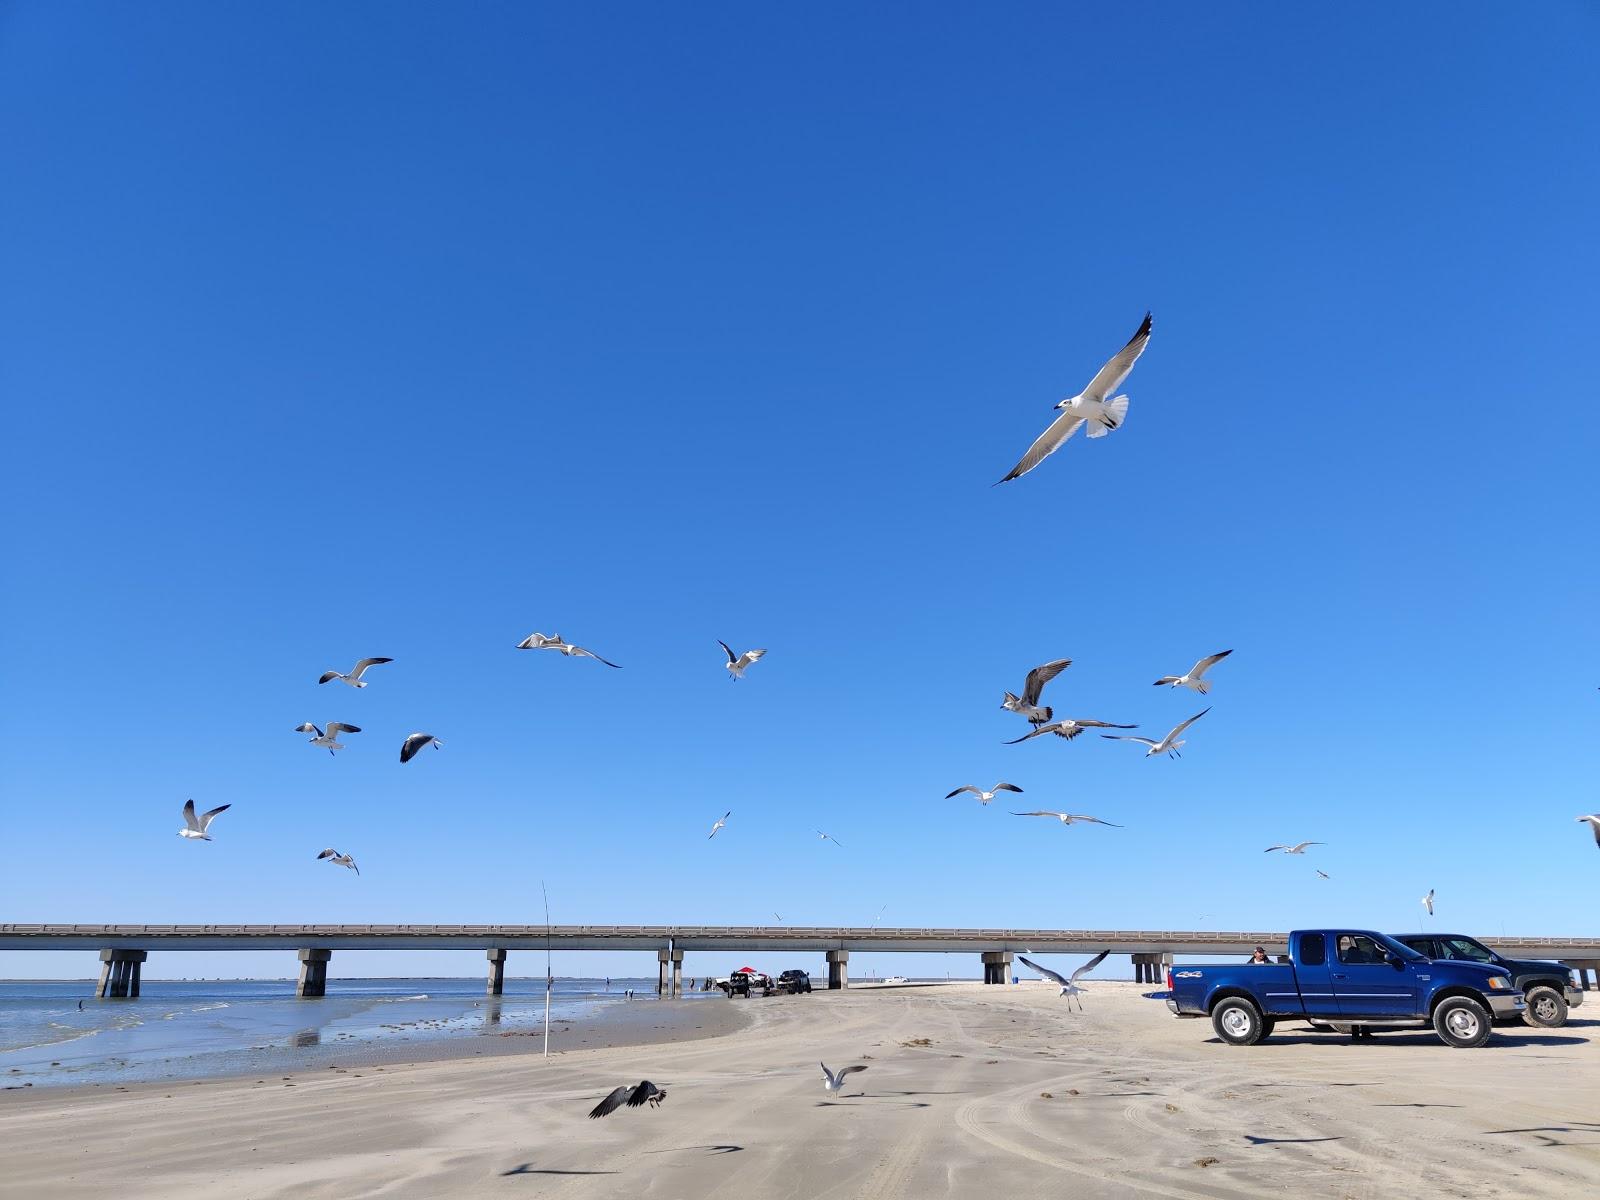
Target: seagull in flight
{"points": [[1297, 848], [196, 827], [828, 837], [1323, 873], [738, 664], [339, 860], [1095, 406], [641, 1093], [1427, 902], [1069, 983], [354, 678], [1067, 818], [720, 824], [1594, 823], [983, 796], [1027, 704], [1069, 728], [538, 641], [1167, 745], [416, 742], [329, 740], [832, 1081], [1195, 678]]}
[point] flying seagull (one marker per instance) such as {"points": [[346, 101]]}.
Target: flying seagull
{"points": [[1195, 678], [642, 1093], [1427, 902], [720, 824], [983, 796], [415, 742], [354, 678], [738, 664], [197, 828], [1594, 824], [329, 740], [1167, 745], [1323, 873], [1028, 703], [1066, 818], [1094, 406], [538, 641], [832, 1081], [828, 837], [1297, 848], [1069, 983], [1069, 728], [339, 860]]}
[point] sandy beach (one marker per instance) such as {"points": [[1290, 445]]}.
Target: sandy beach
{"points": [[970, 1089]]}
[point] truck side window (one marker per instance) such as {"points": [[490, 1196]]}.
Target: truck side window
{"points": [[1313, 949]]}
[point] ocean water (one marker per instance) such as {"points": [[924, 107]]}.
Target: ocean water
{"points": [[196, 1029]]}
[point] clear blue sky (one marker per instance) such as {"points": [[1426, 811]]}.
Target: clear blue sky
{"points": [[409, 329]]}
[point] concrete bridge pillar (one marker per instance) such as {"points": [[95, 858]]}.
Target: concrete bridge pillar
{"points": [[838, 969], [497, 972], [313, 974], [1148, 968], [677, 973], [119, 974], [663, 957], [997, 966]]}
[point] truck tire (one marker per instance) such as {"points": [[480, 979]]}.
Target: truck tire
{"points": [[1462, 1022], [1238, 1021], [1547, 1007]]}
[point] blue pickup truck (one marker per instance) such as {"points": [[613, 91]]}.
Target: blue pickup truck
{"points": [[1354, 980]]}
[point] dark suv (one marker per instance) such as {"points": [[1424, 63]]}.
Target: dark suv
{"points": [[794, 982], [1547, 986]]}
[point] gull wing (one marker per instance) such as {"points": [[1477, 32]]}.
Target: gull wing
{"points": [[1055, 727], [640, 1094], [308, 727], [1036, 813], [582, 653], [850, 1070], [1302, 845], [531, 642], [1167, 679], [1086, 723], [1093, 820], [205, 817], [1594, 824], [1177, 729], [335, 728], [613, 1101], [967, 787], [1110, 377], [330, 852], [1123, 737], [1005, 787], [412, 744], [327, 675], [1205, 664], [189, 818], [732, 657], [750, 656], [1045, 971], [1046, 444], [365, 663], [1090, 965], [1270, 849], [1040, 676]]}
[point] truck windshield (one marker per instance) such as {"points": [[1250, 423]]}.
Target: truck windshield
{"points": [[1459, 947]]}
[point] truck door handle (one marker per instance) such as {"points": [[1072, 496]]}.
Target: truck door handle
{"points": [[1341, 977]]}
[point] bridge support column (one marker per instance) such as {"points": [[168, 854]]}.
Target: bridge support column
{"points": [[1147, 968], [313, 974], [497, 972], [838, 969], [997, 966], [119, 974], [663, 957], [677, 973]]}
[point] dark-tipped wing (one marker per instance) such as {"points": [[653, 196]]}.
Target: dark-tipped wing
{"points": [[1045, 971], [1040, 676], [412, 744], [1043, 729], [640, 1094], [1177, 729], [1008, 787], [615, 1100], [330, 852], [1046, 444], [850, 1070], [582, 653], [327, 675], [1205, 664], [1091, 964], [966, 787], [1110, 377], [335, 728], [728, 650], [205, 817], [189, 818]]}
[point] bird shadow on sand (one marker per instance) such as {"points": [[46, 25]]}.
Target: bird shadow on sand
{"points": [[902, 1092], [868, 1101], [725, 1148], [530, 1169], [1415, 1104], [1266, 1141], [1543, 1132]]}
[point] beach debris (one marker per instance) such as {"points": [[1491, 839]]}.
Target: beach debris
{"points": [[641, 1093], [416, 742], [832, 1081], [538, 641], [1094, 406], [195, 827], [985, 796], [917, 1041], [738, 664], [720, 823], [329, 740], [1194, 679], [1027, 704], [1069, 983], [339, 860], [1167, 745], [1297, 848], [1046, 1096], [1066, 818], [1069, 728], [356, 672], [1207, 1161]]}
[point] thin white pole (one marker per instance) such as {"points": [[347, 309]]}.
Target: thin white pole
{"points": [[549, 980]]}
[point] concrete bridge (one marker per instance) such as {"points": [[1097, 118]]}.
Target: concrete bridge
{"points": [[124, 948]]}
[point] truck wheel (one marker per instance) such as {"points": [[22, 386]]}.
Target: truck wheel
{"points": [[1461, 1022], [1238, 1022], [1547, 1008]]}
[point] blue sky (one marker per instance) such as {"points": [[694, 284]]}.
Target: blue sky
{"points": [[407, 330]]}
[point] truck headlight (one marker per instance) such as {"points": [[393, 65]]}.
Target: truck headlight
{"points": [[1572, 979], [1498, 983]]}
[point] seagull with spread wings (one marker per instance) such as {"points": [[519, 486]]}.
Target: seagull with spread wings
{"points": [[1095, 406], [538, 641], [1167, 745], [1323, 873], [738, 664], [832, 1081], [1594, 824], [828, 837], [1194, 679], [639, 1094], [1427, 902], [416, 742], [1069, 983], [1069, 728], [356, 672], [329, 740], [196, 828], [1297, 848], [339, 860], [983, 796], [719, 824], [1027, 704], [1066, 818]]}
